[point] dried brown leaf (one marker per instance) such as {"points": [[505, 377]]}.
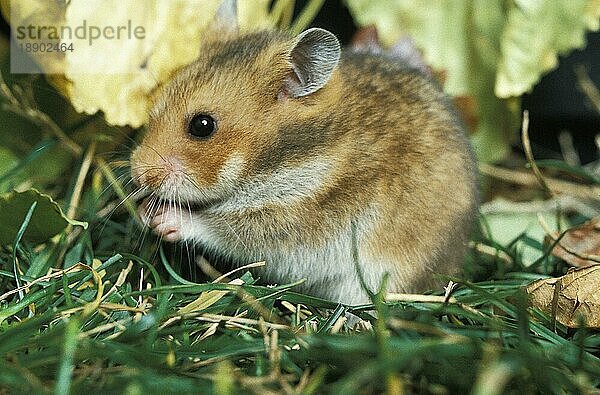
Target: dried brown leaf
{"points": [[468, 108], [572, 299], [580, 246], [366, 39]]}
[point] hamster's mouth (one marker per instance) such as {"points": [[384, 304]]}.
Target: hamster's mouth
{"points": [[178, 202], [193, 206]]}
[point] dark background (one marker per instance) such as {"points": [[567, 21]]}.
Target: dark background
{"points": [[555, 104]]}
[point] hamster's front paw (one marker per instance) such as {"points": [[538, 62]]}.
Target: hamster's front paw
{"points": [[166, 220]]}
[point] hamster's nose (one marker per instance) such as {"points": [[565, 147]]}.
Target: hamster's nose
{"points": [[149, 169]]}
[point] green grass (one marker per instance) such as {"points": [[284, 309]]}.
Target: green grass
{"points": [[76, 331]]}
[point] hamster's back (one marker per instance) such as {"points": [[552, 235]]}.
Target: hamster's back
{"points": [[411, 150]]}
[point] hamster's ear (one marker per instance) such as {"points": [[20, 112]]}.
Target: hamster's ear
{"points": [[314, 56], [226, 19]]}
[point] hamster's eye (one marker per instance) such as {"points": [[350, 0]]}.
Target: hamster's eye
{"points": [[202, 125]]}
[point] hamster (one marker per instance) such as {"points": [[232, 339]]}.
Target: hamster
{"points": [[327, 165]]}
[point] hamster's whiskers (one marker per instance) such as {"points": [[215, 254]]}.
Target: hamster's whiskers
{"points": [[132, 194], [152, 209]]}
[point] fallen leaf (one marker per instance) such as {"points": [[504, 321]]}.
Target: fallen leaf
{"points": [[8, 160], [571, 299], [580, 246], [47, 220]]}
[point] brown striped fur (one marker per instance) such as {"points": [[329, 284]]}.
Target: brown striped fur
{"points": [[380, 154]]}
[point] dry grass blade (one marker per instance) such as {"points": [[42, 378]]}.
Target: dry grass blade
{"points": [[60, 273], [529, 153], [590, 192], [587, 86], [396, 297], [247, 321], [491, 251]]}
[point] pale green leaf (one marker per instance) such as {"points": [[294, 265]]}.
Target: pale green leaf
{"points": [[8, 160], [507, 220], [536, 32]]}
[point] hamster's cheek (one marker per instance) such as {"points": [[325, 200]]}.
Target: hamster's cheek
{"points": [[136, 166]]}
